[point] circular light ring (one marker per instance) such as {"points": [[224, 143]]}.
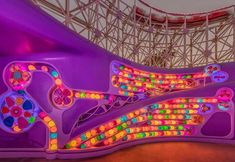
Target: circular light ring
{"points": [[18, 112], [224, 94], [17, 76], [219, 76], [210, 69], [61, 97]]}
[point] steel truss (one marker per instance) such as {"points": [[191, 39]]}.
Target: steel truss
{"points": [[117, 27]]}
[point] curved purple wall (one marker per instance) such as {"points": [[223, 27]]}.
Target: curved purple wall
{"points": [[64, 97]]}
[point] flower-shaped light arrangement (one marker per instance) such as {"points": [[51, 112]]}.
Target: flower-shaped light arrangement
{"points": [[18, 112], [62, 97], [17, 76]]}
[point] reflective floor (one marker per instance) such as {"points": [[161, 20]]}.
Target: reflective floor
{"points": [[161, 152]]}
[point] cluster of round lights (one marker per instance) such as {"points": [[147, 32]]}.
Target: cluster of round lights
{"points": [[135, 73], [136, 133], [225, 96], [52, 129], [174, 117], [210, 69], [166, 119], [62, 97], [93, 95], [170, 118], [176, 111], [130, 80], [18, 112], [153, 134], [17, 76]]}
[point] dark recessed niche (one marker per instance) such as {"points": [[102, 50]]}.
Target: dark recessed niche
{"points": [[219, 124]]}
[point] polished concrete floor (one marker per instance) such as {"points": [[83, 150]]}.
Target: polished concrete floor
{"points": [[160, 152]]}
